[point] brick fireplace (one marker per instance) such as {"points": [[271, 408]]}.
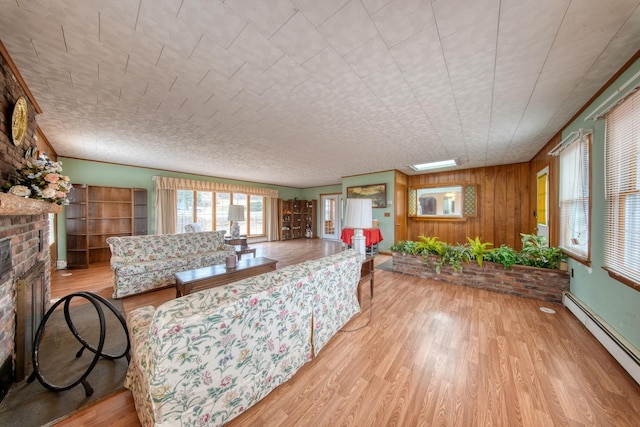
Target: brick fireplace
{"points": [[25, 233], [24, 225]]}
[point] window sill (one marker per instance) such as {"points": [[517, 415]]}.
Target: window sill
{"points": [[624, 280]]}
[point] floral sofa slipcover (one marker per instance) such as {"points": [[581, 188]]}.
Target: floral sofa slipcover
{"points": [[144, 263], [205, 358]]}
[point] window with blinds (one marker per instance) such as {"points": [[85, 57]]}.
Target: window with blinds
{"points": [[575, 193], [622, 222]]}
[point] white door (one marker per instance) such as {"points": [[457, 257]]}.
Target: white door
{"points": [[542, 203], [331, 225]]}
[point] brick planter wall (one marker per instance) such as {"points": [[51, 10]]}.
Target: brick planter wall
{"points": [[530, 282]]}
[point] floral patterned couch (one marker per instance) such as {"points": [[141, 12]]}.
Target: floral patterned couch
{"points": [[205, 358], [144, 263]]}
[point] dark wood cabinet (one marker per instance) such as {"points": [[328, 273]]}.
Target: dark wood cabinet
{"points": [[297, 219], [96, 213]]}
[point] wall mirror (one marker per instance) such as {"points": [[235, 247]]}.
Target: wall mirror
{"points": [[441, 202]]}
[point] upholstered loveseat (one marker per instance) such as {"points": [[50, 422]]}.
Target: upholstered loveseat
{"points": [[144, 263], [205, 358]]}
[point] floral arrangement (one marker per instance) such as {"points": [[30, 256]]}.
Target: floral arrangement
{"points": [[41, 179]]}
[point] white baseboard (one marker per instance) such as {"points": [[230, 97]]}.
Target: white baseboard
{"points": [[626, 354]]}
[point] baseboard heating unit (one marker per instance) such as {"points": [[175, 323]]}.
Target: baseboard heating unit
{"points": [[620, 349]]}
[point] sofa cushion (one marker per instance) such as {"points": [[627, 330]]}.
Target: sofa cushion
{"points": [[172, 265], [134, 249]]}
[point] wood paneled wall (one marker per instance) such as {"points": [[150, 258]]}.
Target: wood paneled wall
{"points": [[505, 205]]}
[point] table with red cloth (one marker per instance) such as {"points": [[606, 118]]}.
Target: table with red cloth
{"points": [[372, 236]]}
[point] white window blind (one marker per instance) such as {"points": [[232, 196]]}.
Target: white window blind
{"points": [[622, 222], [574, 197]]}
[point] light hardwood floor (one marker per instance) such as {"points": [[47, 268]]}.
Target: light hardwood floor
{"points": [[421, 353]]}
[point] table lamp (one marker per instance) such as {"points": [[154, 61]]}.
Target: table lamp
{"points": [[236, 213], [359, 215]]}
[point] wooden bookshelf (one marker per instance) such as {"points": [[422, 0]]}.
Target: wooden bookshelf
{"points": [[96, 213], [297, 219]]}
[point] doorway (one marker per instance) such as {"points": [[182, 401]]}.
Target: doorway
{"points": [[542, 203], [331, 223]]}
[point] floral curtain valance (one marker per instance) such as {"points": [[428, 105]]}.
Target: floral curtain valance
{"points": [[168, 183]]}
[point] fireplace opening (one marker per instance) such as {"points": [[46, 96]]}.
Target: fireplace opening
{"points": [[30, 307]]}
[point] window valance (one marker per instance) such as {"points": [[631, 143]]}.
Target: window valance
{"points": [[168, 183]]}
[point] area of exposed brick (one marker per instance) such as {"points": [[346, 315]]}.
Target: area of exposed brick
{"points": [[530, 282]]}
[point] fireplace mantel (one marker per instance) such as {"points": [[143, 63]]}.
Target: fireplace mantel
{"points": [[11, 205]]}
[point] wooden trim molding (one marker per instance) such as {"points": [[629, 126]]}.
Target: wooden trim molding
{"points": [[625, 281], [43, 142], [42, 138], [16, 73]]}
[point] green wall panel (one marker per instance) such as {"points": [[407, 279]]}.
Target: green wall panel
{"points": [[616, 303], [107, 174]]}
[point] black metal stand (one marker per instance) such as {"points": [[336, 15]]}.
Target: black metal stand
{"points": [[97, 302]]}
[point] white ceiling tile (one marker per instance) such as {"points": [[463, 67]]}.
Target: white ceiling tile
{"points": [[422, 48], [326, 65], [349, 28], [319, 11], [253, 47], [172, 7], [175, 64], [299, 39], [348, 85], [370, 57], [36, 26], [120, 38], [212, 18], [389, 86], [401, 19], [123, 11], [462, 15], [163, 27], [211, 54], [252, 79], [513, 63], [220, 85], [374, 6], [265, 16], [287, 73], [432, 89]]}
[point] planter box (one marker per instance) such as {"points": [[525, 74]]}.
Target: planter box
{"points": [[530, 282]]}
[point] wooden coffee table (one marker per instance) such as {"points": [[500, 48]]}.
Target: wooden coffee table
{"points": [[217, 275]]}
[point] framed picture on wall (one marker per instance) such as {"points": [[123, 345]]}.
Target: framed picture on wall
{"points": [[376, 192]]}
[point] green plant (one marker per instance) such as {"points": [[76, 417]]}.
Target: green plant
{"points": [[407, 247], [505, 255], [478, 248], [430, 245], [536, 253], [453, 255]]}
